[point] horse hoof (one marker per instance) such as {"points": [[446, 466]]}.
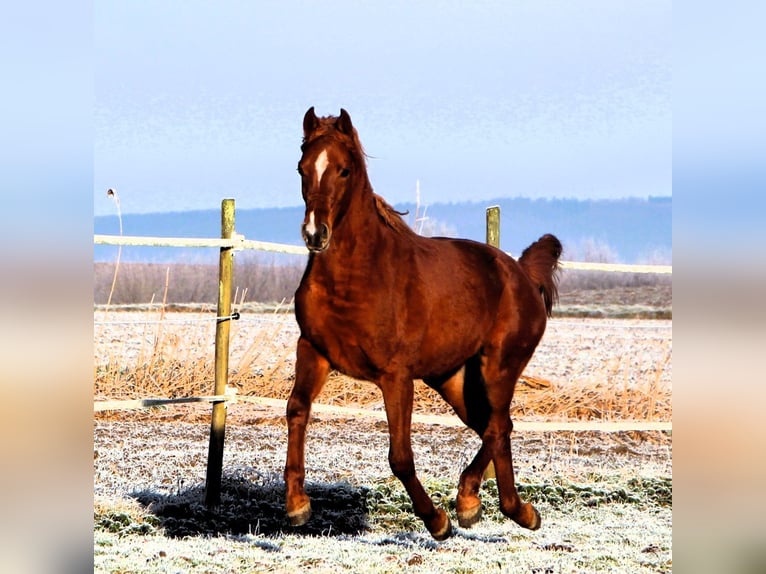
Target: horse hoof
{"points": [[301, 516], [445, 531], [468, 518], [537, 521]]}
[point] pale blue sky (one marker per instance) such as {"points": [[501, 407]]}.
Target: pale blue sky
{"points": [[197, 101]]}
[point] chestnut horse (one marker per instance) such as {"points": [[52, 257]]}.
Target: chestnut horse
{"points": [[380, 303]]}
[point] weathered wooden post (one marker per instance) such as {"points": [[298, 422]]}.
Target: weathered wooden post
{"points": [[493, 226], [223, 323], [493, 239]]}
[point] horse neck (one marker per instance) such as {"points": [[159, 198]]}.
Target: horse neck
{"points": [[360, 230]]}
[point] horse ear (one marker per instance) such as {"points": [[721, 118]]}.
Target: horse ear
{"points": [[310, 122], [343, 123]]}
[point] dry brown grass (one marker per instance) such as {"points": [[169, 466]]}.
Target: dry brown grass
{"points": [[159, 358], [152, 356]]}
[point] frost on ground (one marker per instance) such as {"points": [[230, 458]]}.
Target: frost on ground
{"points": [[605, 500]]}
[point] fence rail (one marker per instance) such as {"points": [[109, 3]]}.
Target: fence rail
{"points": [[351, 412], [239, 243]]}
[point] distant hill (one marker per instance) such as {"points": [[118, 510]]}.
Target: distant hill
{"points": [[628, 230]]}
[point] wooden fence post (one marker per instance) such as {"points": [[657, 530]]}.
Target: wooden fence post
{"points": [[218, 421], [493, 226], [493, 239]]}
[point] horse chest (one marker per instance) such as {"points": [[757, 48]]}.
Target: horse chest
{"points": [[350, 333]]}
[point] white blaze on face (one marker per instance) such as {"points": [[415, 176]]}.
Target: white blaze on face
{"points": [[319, 168], [321, 165], [311, 227]]}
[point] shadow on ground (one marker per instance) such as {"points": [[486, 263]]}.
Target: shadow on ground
{"points": [[252, 508]]}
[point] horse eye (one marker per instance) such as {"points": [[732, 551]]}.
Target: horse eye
{"points": [[344, 172]]}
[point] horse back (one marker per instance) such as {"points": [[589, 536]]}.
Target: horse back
{"points": [[477, 280], [425, 306]]}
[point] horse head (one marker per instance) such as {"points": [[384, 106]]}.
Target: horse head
{"points": [[330, 167]]}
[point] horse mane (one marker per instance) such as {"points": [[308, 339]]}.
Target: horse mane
{"points": [[389, 215]]}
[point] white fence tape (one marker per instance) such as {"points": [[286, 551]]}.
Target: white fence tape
{"points": [[240, 243]]}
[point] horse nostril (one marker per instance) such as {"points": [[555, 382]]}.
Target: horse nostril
{"points": [[316, 237]]}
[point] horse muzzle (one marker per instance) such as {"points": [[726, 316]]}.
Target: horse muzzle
{"points": [[316, 237]]}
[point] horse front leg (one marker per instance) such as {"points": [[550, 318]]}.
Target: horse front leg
{"points": [[397, 396], [311, 370]]}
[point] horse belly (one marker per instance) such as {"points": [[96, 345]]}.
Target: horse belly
{"points": [[446, 347]]}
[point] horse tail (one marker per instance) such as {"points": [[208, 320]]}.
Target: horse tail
{"points": [[540, 261]]}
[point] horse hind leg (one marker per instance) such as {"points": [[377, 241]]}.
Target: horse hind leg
{"points": [[464, 391], [522, 513], [500, 384], [468, 502], [481, 396]]}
